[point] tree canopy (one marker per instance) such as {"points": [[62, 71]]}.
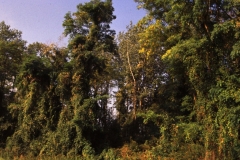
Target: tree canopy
{"points": [[166, 88]]}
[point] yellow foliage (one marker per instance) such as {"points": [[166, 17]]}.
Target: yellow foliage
{"points": [[167, 55], [150, 37], [142, 50]]}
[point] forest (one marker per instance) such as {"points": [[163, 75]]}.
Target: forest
{"points": [[166, 88]]}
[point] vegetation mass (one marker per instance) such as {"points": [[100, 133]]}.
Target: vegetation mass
{"points": [[167, 88]]}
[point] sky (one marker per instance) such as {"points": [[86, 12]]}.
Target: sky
{"points": [[41, 20]]}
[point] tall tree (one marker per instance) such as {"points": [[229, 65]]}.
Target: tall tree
{"points": [[92, 50], [197, 40], [41, 85], [11, 50], [141, 77], [31, 106]]}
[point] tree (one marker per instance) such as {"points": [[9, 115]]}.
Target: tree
{"points": [[141, 77], [11, 50], [31, 106], [42, 92], [92, 49], [193, 39]]}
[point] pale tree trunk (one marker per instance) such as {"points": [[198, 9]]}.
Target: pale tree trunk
{"points": [[134, 98]]}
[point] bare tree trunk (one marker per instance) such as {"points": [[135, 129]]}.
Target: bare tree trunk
{"points": [[134, 98]]}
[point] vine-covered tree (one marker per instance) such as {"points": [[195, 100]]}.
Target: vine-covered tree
{"points": [[11, 51], [174, 75], [92, 50], [198, 41], [38, 102]]}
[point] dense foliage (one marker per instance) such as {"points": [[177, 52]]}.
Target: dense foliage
{"points": [[167, 88]]}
